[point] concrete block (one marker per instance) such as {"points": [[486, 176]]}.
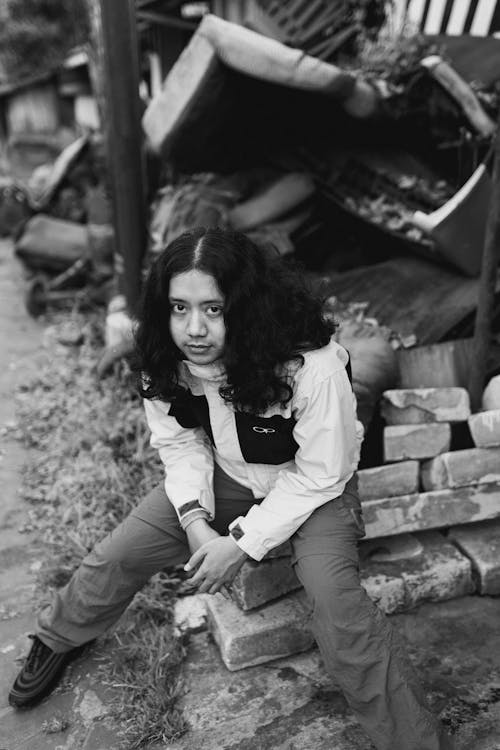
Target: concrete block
{"points": [[421, 405], [461, 468], [491, 395], [441, 573], [485, 428], [387, 481], [417, 441], [431, 510], [431, 571], [259, 583], [386, 590], [249, 638], [481, 543]]}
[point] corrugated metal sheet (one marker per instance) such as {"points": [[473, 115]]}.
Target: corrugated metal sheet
{"points": [[452, 17], [407, 294]]}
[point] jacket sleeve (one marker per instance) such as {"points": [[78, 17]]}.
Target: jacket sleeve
{"points": [[187, 455], [329, 439]]}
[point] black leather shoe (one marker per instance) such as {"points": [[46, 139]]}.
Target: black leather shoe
{"points": [[40, 673]]}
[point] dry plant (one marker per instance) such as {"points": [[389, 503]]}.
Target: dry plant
{"points": [[90, 464]]}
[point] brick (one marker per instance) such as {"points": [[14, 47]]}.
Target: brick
{"points": [[491, 395], [481, 543], [416, 441], [485, 428], [432, 570], [387, 481], [442, 572], [461, 468], [422, 405], [259, 583], [249, 638], [431, 510]]}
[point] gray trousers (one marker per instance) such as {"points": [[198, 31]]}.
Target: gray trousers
{"points": [[359, 647]]}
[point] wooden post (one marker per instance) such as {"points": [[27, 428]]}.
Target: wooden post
{"points": [[487, 283], [115, 77]]}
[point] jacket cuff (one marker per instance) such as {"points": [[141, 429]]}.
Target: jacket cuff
{"points": [[249, 541]]}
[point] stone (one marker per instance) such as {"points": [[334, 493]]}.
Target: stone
{"points": [[431, 510], [387, 481], [485, 428], [416, 441], [432, 570], [259, 583], [190, 613], [441, 573], [461, 468], [491, 395], [481, 543], [421, 405], [390, 549], [249, 638]]}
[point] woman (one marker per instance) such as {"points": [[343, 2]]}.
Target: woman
{"points": [[250, 405]]}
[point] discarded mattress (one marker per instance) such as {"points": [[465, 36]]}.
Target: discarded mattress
{"points": [[200, 96]]}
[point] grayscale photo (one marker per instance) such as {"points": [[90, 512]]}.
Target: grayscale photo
{"points": [[250, 375]]}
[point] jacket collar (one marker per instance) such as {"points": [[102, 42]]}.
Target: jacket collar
{"points": [[213, 371]]}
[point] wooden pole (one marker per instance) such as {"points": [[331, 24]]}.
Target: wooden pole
{"points": [[115, 75], [487, 283]]}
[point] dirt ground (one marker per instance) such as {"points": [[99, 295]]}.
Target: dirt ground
{"points": [[289, 704]]}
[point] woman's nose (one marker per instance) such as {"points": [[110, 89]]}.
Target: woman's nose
{"points": [[196, 324]]}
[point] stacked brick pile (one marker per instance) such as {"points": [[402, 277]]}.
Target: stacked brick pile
{"points": [[423, 486]]}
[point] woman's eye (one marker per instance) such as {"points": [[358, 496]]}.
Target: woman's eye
{"points": [[177, 308], [214, 311]]}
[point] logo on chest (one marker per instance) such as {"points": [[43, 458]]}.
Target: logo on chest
{"points": [[263, 430], [265, 440]]}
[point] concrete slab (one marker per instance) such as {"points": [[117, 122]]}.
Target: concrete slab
{"points": [[388, 481], [419, 405], [416, 441], [485, 428], [431, 510], [259, 583], [438, 572], [481, 543], [292, 704], [461, 468], [249, 638]]}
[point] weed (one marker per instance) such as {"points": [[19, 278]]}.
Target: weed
{"points": [[90, 464]]}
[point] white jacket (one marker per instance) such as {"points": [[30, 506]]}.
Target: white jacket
{"points": [[316, 438]]}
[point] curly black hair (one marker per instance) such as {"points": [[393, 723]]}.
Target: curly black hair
{"points": [[269, 314]]}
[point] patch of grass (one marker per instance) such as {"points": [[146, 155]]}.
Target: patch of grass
{"points": [[91, 462]]}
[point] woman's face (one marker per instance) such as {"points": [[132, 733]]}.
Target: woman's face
{"points": [[197, 316]]}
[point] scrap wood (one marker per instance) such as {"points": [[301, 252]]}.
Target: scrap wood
{"points": [[463, 94], [408, 295]]}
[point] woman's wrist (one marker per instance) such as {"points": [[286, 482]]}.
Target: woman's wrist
{"points": [[198, 515]]}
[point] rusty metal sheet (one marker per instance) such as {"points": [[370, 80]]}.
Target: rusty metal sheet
{"points": [[409, 295]]}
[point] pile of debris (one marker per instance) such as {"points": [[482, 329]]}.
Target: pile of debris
{"points": [[62, 226]]}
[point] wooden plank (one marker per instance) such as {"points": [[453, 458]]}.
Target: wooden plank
{"points": [[409, 295], [436, 365]]}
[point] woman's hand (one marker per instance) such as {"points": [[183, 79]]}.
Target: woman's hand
{"points": [[198, 533], [219, 560]]}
